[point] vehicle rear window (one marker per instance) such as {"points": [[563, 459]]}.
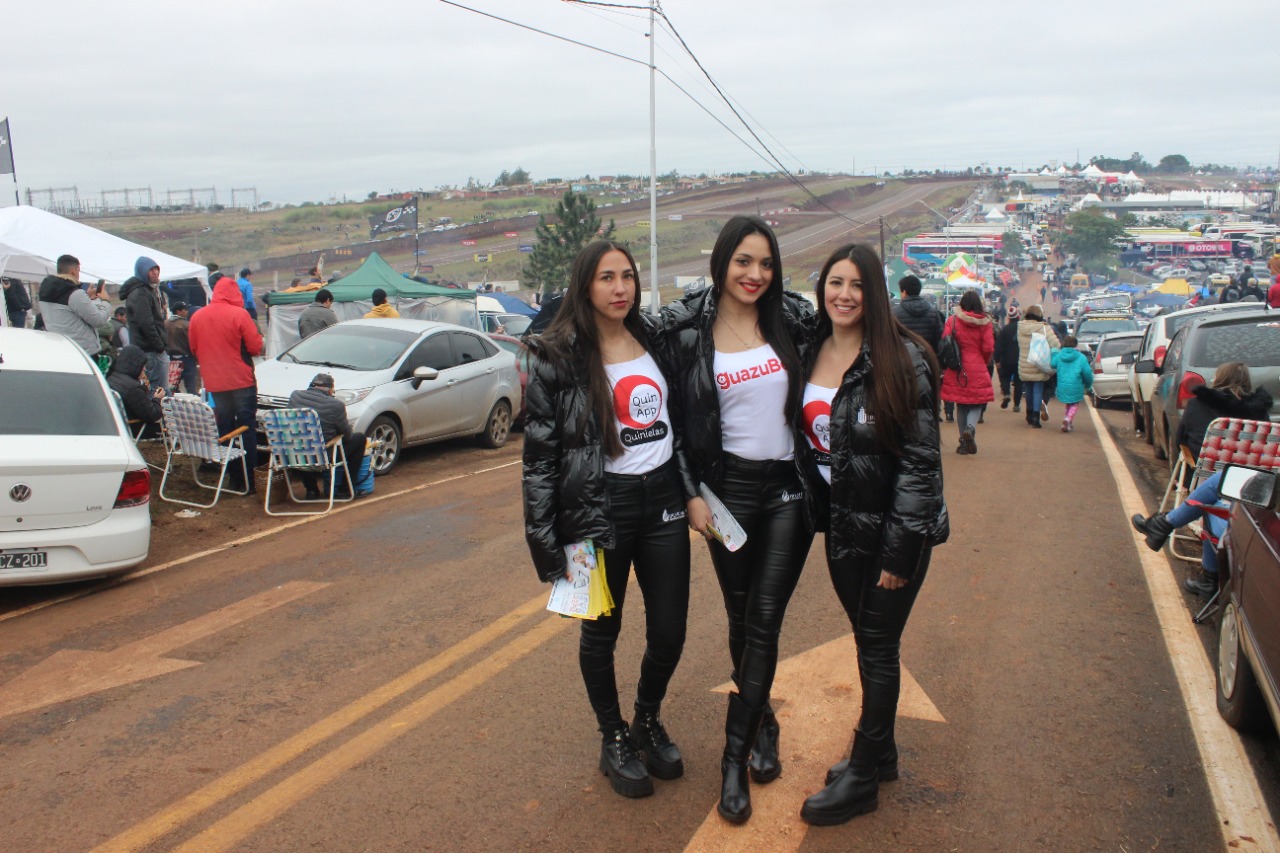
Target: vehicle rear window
{"points": [[1256, 344], [54, 404], [1111, 349], [1104, 327]]}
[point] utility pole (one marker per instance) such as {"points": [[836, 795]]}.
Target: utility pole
{"points": [[882, 258], [654, 298]]}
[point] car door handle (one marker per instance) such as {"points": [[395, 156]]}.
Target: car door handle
{"points": [[453, 382], [489, 370]]}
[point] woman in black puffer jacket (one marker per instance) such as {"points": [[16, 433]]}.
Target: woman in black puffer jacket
{"points": [[734, 347], [601, 462], [872, 459]]}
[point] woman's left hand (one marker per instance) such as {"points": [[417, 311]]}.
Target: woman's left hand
{"points": [[888, 580]]}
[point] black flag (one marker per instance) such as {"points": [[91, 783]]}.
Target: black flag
{"points": [[6, 150], [403, 218]]}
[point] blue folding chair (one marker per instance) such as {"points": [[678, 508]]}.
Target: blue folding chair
{"points": [[295, 438], [193, 432]]}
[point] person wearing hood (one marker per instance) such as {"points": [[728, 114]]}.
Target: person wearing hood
{"points": [[970, 387], [224, 340], [381, 308], [1231, 395], [146, 311], [125, 378], [68, 310], [1075, 379], [245, 284], [1006, 356]]}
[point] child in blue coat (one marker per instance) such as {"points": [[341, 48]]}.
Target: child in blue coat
{"points": [[1075, 378]]}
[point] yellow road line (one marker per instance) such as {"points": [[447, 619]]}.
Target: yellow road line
{"points": [[170, 818], [1245, 820], [244, 540], [241, 823]]}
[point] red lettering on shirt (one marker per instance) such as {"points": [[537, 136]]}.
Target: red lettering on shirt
{"points": [[728, 379]]}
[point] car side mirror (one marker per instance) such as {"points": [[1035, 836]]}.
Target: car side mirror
{"points": [[423, 374], [1249, 486], [1129, 358], [1145, 365]]}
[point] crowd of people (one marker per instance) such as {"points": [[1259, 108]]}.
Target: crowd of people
{"points": [[737, 400]]}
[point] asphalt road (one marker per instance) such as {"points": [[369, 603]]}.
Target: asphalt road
{"points": [[386, 679]]}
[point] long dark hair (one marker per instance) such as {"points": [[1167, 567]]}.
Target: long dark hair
{"points": [[768, 306], [573, 336], [891, 390]]}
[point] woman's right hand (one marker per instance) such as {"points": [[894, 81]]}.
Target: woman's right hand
{"points": [[699, 516]]}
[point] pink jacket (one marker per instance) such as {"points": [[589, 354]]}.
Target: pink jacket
{"points": [[972, 383]]}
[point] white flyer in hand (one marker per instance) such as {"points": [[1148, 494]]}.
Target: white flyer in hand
{"points": [[572, 595], [723, 525]]}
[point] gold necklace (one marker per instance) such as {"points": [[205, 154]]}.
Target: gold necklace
{"points": [[755, 332]]}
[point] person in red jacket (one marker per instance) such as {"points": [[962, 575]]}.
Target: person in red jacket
{"points": [[1273, 294], [224, 340], [970, 387]]}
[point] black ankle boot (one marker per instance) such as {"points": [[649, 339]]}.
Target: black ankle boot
{"points": [[1157, 529], [739, 733], [660, 754], [854, 792], [886, 769], [620, 761], [764, 766]]}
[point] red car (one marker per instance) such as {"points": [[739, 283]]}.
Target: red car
{"points": [[517, 348]]}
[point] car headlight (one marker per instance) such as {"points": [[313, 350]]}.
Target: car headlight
{"points": [[350, 397]]}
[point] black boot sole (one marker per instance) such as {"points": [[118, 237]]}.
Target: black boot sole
{"points": [[734, 817], [663, 770], [633, 789], [761, 777], [835, 818]]}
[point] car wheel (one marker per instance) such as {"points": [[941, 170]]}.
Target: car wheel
{"points": [[1148, 423], [1239, 699], [385, 433], [1158, 447], [1137, 418], [498, 425]]}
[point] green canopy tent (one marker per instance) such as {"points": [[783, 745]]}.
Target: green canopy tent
{"points": [[353, 298]]}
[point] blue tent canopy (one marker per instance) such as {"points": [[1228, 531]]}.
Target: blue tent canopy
{"points": [[1163, 298], [514, 304]]}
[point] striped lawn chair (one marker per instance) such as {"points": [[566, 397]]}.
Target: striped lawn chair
{"points": [[295, 438], [193, 432]]}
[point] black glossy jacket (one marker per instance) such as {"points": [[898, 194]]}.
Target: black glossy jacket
{"points": [[883, 508], [565, 497], [685, 336]]}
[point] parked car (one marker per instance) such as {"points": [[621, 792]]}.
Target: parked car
{"points": [[1093, 325], [516, 347], [404, 382], [74, 490], [1154, 345], [505, 323], [1110, 371], [1247, 663], [1196, 351]]}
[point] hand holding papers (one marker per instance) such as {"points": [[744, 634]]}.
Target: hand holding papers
{"points": [[723, 525], [584, 593]]}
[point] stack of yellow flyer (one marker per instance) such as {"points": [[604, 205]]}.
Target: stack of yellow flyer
{"points": [[584, 594]]}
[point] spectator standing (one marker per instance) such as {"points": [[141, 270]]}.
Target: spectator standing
{"points": [[970, 386], [1006, 358], [381, 308], [1074, 379], [1273, 294], [224, 340], [917, 313], [320, 395], [177, 329], [119, 337], [318, 315], [146, 313], [245, 283], [68, 310], [1273, 265], [140, 404], [17, 302]]}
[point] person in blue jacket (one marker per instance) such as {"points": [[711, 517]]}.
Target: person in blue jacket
{"points": [[246, 292], [1075, 379]]}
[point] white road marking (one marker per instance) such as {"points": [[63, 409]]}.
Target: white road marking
{"points": [[1245, 821]]}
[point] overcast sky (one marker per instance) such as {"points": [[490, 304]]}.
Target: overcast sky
{"points": [[308, 101]]}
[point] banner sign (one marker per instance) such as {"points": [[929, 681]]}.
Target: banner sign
{"points": [[397, 219], [511, 234], [468, 242], [481, 259], [6, 150], [526, 249]]}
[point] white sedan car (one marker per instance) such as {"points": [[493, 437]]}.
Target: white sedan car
{"points": [[74, 490]]}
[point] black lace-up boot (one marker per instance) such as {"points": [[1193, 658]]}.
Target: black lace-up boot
{"points": [[1156, 528], [620, 761], [660, 754]]}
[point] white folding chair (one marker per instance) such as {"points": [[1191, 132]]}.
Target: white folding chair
{"points": [[193, 432], [296, 440]]}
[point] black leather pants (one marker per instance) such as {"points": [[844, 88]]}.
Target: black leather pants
{"points": [[878, 617], [757, 580], [650, 532]]}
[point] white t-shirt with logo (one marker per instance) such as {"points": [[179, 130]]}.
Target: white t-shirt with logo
{"points": [[640, 410], [752, 387], [816, 416]]}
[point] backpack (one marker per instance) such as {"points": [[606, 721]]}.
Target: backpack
{"points": [[949, 350]]}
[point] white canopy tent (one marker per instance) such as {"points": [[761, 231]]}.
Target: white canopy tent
{"points": [[31, 240]]}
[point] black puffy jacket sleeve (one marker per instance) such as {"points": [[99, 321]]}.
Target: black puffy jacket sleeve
{"points": [[917, 513], [542, 458], [663, 352]]}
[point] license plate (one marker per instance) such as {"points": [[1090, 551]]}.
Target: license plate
{"points": [[24, 560]]}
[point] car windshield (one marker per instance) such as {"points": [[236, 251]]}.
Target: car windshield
{"points": [[352, 347], [1257, 344], [1118, 347], [1102, 303], [54, 404], [1104, 326]]}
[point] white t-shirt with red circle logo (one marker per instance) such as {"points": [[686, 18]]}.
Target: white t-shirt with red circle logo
{"points": [[640, 410], [816, 416], [752, 387]]}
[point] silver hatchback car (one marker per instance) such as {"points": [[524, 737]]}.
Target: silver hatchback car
{"points": [[404, 382]]}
